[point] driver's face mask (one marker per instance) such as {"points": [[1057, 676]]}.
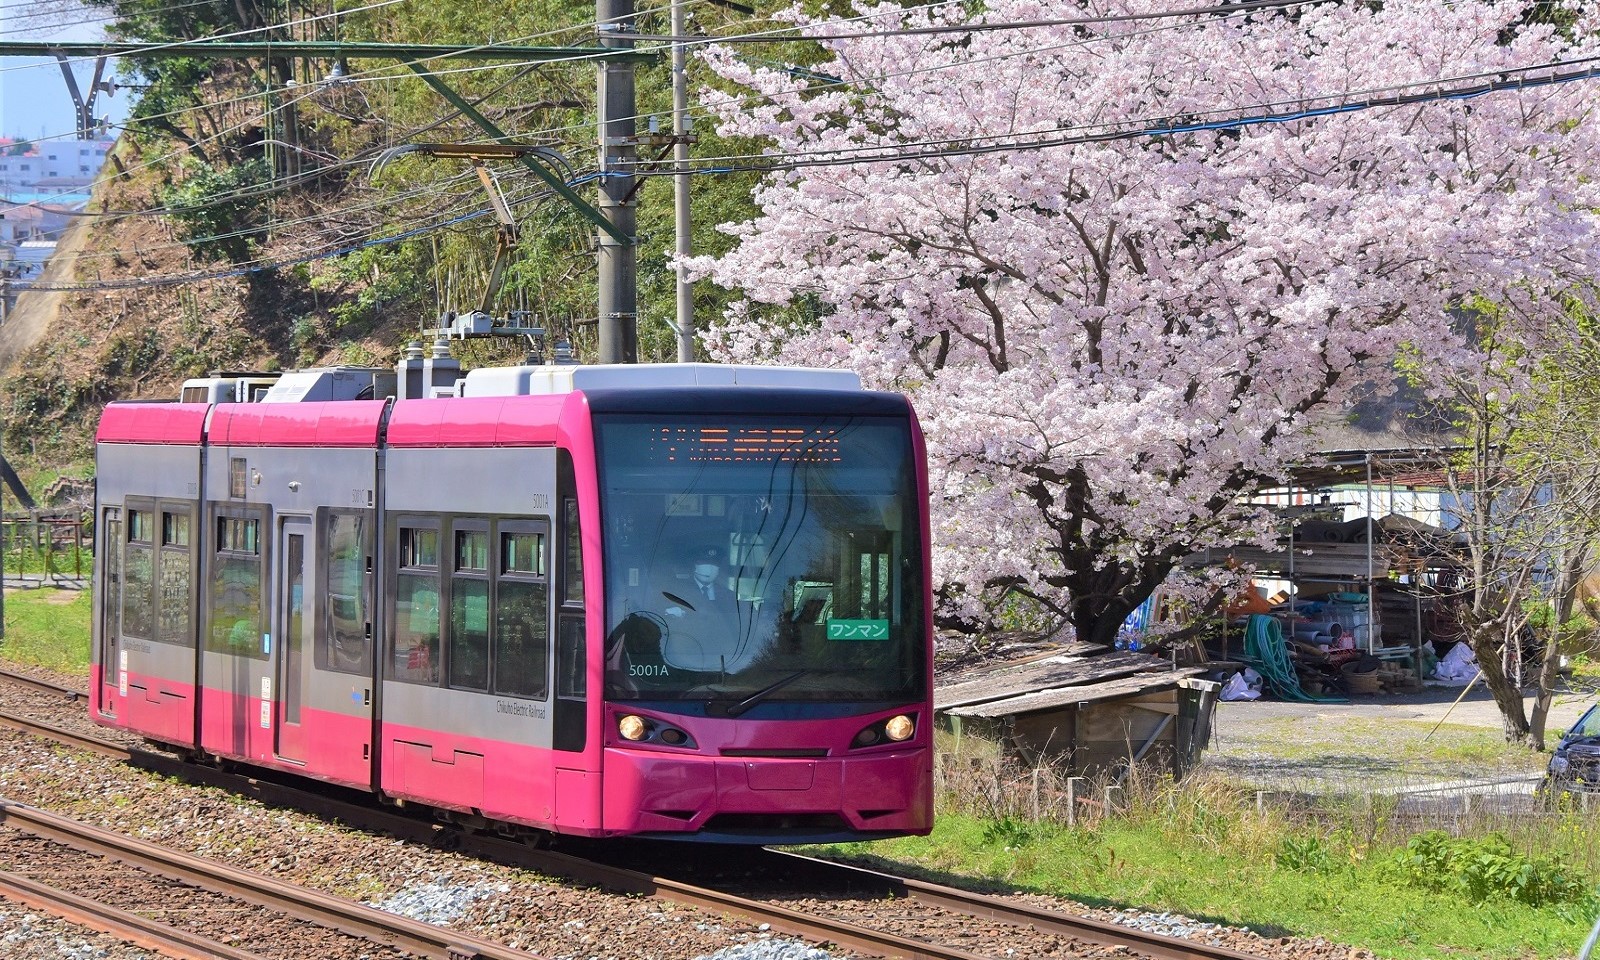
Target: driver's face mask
{"points": [[705, 574]]}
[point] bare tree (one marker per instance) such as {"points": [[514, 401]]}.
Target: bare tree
{"points": [[26, 21], [1524, 501]]}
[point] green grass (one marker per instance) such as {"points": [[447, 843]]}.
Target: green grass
{"points": [[1198, 847], [69, 561], [48, 628], [1229, 866]]}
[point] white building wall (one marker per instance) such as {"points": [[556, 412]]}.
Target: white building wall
{"points": [[74, 160]]}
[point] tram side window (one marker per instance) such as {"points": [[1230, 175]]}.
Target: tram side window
{"points": [[343, 644], [111, 532], [236, 589], [175, 574], [573, 683], [572, 551], [138, 591], [416, 630], [571, 657], [469, 610], [522, 618]]}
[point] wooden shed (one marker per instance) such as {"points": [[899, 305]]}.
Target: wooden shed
{"points": [[1092, 712]]}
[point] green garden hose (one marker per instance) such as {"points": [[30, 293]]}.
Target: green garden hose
{"points": [[1265, 650]]}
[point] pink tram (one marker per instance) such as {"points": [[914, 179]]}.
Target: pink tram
{"points": [[686, 601]]}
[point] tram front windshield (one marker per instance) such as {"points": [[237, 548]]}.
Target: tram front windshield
{"points": [[761, 560]]}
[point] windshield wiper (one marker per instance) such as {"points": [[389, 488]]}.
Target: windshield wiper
{"points": [[678, 600], [744, 705]]}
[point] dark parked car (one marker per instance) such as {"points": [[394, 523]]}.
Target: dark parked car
{"points": [[1575, 764]]}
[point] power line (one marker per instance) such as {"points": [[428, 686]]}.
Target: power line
{"points": [[1460, 93], [259, 267], [830, 82], [264, 264], [1164, 128], [148, 49], [371, 204], [299, 91], [85, 21], [843, 156], [981, 27]]}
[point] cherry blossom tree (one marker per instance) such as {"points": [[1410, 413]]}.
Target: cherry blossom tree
{"points": [[1123, 265]]}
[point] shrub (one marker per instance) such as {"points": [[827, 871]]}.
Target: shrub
{"points": [[219, 213], [1487, 868], [1306, 854]]}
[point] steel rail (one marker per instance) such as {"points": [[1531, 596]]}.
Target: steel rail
{"points": [[554, 863], [313, 906], [42, 686], [1101, 932], [129, 927], [878, 943], [405, 825], [79, 740]]}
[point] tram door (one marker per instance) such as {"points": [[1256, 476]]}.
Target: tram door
{"points": [[113, 676], [292, 624]]}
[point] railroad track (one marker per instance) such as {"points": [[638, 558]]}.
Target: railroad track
{"points": [[43, 686], [131, 927], [599, 872], [343, 928], [844, 876]]}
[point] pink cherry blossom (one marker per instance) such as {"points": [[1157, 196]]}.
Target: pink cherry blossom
{"points": [[1112, 343]]}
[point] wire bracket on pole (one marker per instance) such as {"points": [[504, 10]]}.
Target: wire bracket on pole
{"points": [[83, 106], [555, 183]]}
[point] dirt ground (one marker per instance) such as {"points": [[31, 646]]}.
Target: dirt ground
{"points": [[1380, 741], [35, 312]]}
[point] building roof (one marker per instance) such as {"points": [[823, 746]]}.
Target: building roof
{"points": [[1050, 681], [1047, 700]]}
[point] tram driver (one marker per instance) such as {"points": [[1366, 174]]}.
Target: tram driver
{"points": [[708, 628]]}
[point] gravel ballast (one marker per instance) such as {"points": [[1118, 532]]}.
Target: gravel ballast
{"points": [[550, 918]]}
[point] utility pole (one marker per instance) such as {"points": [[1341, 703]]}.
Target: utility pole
{"points": [[680, 184], [618, 258]]}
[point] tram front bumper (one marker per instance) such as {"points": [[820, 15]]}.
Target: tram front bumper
{"points": [[761, 799]]}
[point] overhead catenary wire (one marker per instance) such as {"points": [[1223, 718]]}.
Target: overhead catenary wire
{"points": [[1222, 12], [1228, 10], [299, 91], [431, 190], [52, 24], [256, 267], [1225, 12], [283, 184], [382, 73], [437, 189], [279, 185]]}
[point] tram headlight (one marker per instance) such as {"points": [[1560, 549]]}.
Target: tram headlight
{"points": [[899, 728], [633, 727]]}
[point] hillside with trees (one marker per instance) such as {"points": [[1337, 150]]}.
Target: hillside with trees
{"points": [[263, 213]]}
